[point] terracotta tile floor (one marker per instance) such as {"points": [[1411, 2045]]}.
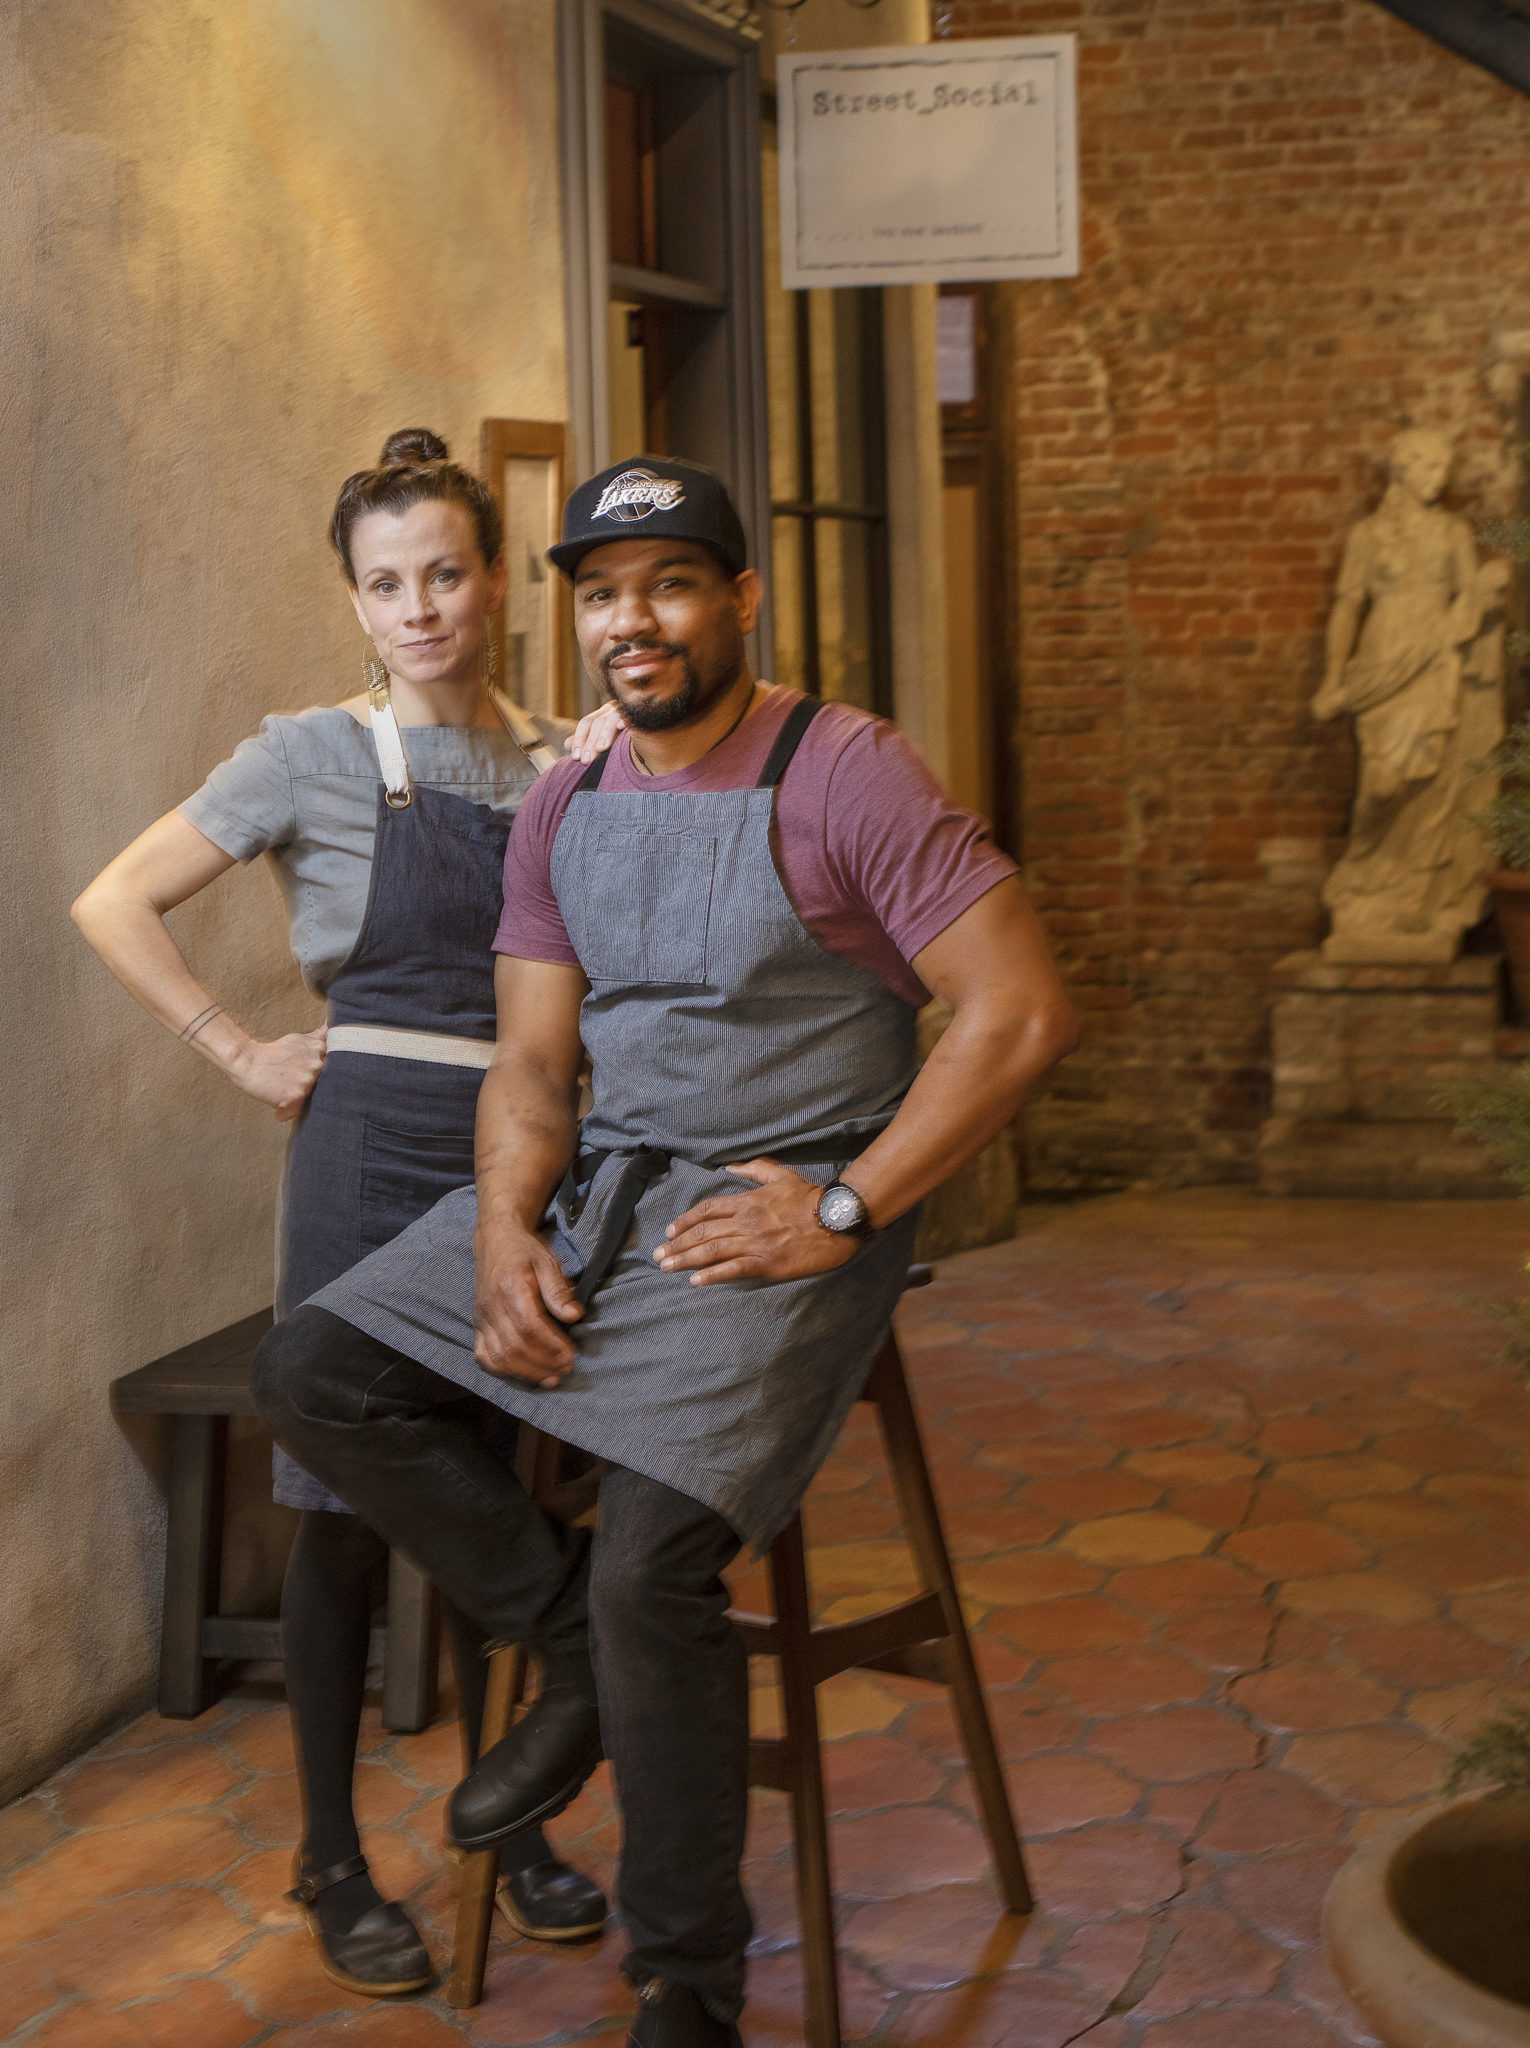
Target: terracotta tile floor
{"points": [[1239, 1496]]}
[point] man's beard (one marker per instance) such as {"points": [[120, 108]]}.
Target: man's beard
{"points": [[697, 693]]}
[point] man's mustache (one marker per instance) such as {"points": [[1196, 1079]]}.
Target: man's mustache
{"points": [[674, 647]]}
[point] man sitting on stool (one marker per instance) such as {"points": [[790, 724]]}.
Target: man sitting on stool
{"points": [[738, 912]]}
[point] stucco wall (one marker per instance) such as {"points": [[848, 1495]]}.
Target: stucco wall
{"points": [[251, 236]]}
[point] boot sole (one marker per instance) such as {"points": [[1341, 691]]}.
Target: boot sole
{"points": [[360, 1985], [549, 1809], [531, 1932]]}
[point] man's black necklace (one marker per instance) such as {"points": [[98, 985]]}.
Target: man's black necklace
{"points": [[721, 741]]}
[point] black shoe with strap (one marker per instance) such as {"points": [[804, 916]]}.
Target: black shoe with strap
{"points": [[532, 1774], [551, 1902], [381, 1955], [673, 2016]]}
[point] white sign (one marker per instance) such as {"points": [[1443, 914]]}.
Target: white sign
{"points": [[936, 163]]}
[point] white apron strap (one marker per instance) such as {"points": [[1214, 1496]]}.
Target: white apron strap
{"points": [[538, 752], [389, 742]]}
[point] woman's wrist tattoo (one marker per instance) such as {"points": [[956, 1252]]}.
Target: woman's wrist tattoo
{"points": [[200, 1022]]}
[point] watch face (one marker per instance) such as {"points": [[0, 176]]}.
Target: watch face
{"points": [[841, 1208]]}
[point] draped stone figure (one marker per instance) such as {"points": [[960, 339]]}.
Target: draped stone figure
{"points": [[1415, 655]]}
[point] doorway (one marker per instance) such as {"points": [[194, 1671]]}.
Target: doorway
{"points": [[981, 670], [662, 213]]}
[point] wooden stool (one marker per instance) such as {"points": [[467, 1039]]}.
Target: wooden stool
{"points": [[200, 1387], [925, 1638]]}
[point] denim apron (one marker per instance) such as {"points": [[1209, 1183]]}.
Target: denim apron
{"points": [[382, 1139], [719, 1030]]}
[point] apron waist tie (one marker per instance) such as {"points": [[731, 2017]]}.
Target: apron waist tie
{"points": [[439, 1048], [639, 1170]]}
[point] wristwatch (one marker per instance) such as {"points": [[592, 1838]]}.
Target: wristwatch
{"points": [[843, 1211]]}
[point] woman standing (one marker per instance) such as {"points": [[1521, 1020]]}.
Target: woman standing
{"points": [[388, 845]]}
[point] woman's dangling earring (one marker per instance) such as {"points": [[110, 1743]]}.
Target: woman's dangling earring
{"points": [[374, 675], [491, 658]]}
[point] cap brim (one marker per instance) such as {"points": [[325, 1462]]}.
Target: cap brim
{"points": [[568, 554]]}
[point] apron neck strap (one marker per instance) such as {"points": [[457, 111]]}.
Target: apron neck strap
{"points": [[391, 758], [788, 739]]}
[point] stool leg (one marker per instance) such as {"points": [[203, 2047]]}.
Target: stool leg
{"points": [[411, 1648], [804, 1765], [888, 1387], [480, 1872], [193, 1556]]}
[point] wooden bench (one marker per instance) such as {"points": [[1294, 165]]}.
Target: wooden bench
{"points": [[199, 1387]]}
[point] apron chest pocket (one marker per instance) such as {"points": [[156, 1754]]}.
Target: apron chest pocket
{"points": [[645, 920]]}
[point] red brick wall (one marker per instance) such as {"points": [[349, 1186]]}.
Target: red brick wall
{"points": [[1304, 227]]}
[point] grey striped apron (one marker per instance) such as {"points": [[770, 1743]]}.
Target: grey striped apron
{"points": [[719, 1030]]}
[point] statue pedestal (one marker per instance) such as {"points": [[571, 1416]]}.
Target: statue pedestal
{"points": [[1361, 1053]]}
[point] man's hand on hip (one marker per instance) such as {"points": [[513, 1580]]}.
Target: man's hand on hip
{"points": [[771, 1233], [521, 1297]]}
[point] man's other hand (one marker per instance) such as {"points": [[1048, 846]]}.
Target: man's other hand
{"points": [[521, 1300], [771, 1233]]}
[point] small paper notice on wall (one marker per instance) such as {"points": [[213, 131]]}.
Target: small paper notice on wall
{"points": [[934, 163]]}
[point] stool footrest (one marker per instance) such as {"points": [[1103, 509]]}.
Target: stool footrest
{"points": [[928, 1661], [842, 1645]]}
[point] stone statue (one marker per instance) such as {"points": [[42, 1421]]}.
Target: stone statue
{"points": [[1424, 683]]}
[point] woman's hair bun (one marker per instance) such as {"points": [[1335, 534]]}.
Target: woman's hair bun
{"points": [[412, 444]]}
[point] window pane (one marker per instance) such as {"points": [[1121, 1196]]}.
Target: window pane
{"points": [[956, 348]]}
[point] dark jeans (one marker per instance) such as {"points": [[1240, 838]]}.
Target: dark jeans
{"points": [[398, 1444]]}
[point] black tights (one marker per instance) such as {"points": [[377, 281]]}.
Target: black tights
{"points": [[326, 1626]]}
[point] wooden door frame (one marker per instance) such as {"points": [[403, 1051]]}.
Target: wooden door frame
{"points": [[546, 441]]}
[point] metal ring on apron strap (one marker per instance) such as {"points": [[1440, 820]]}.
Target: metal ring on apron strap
{"points": [[398, 790]]}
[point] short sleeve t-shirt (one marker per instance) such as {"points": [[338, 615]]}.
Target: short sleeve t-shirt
{"points": [[303, 790], [876, 858]]}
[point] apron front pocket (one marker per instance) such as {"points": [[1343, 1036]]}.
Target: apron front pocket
{"points": [[650, 925], [405, 1173]]}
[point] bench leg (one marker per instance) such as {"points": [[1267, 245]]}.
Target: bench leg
{"points": [[921, 1523], [804, 1769], [411, 1655], [193, 1561]]}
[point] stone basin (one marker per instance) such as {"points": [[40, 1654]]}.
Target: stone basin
{"points": [[1428, 1927]]}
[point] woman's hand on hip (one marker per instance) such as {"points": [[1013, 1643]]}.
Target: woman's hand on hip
{"points": [[521, 1297], [281, 1071], [594, 733], [771, 1233]]}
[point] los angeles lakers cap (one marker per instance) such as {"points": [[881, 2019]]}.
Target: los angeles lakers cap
{"points": [[651, 497]]}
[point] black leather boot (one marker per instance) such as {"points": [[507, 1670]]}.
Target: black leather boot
{"points": [[673, 2016], [551, 1902], [381, 1956], [533, 1773]]}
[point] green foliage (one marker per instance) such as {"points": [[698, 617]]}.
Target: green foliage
{"points": [[1508, 536], [1505, 824], [1498, 1754], [1497, 1112]]}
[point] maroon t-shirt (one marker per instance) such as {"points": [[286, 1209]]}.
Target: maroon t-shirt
{"points": [[876, 858]]}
